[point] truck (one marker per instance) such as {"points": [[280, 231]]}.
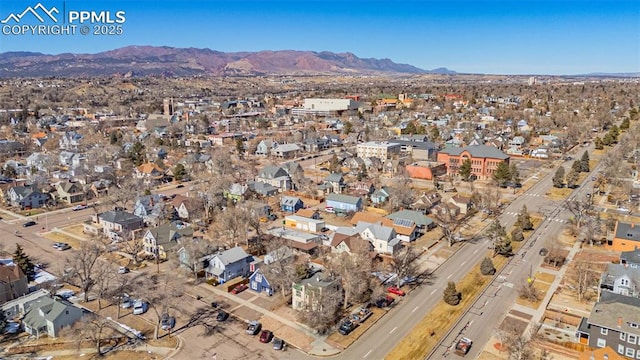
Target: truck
{"points": [[462, 346]]}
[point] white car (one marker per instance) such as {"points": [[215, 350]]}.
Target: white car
{"points": [[79, 207], [140, 307], [12, 327], [623, 209]]}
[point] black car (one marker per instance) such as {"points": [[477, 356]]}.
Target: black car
{"points": [[278, 344], [29, 223], [222, 315], [347, 327]]}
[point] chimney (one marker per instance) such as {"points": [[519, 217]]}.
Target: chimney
{"points": [[619, 322], [633, 225]]}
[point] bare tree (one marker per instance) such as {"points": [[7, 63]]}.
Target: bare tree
{"points": [[583, 276], [404, 263], [355, 270], [84, 266], [105, 277], [94, 328], [322, 309], [232, 224], [579, 209], [162, 292], [449, 225]]}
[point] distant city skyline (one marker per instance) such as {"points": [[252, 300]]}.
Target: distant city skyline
{"points": [[543, 37]]}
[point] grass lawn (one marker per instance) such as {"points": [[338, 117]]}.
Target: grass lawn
{"points": [[76, 229], [544, 277], [437, 322], [558, 193], [542, 288]]}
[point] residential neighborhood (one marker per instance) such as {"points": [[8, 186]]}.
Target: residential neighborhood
{"points": [[188, 220]]}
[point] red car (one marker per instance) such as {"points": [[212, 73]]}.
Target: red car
{"points": [[266, 336], [395, 290], [240, 288]]}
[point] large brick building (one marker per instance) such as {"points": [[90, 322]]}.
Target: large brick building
{"points": [[484, 159]]}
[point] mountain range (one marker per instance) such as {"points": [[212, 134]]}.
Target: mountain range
{"points": [[170, 61]]}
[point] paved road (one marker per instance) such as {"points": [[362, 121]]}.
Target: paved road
{"points": [[491, 307]]}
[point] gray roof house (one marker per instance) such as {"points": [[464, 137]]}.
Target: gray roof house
{"points": [[630, 257], [614, 321], [276, 177], [422, 222], [149, 207], [27, 196], [115, 224], [159, 240], [621, 279], [47, 316], [285, 150], [228, 264]]}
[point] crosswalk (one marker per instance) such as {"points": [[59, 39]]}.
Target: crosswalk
{"points": [[531, 195]]}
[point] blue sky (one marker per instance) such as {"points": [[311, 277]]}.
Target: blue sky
{"points": [[500, 37]]}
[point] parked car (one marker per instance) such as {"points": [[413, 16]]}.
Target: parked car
{"points": [[266, 336], [11, 327], [383, 301], [123, 270], [623, 209], [396, 290], [79, 207], [363, 314], [140, 307], [222, 315], [239, 288], [127, 302], [347, 327], [61, 246], [29, 223], [254, 328], [167, 322], [279, 344], [179, 186], [543, 252]]}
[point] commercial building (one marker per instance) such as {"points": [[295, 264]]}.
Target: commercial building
{"points": [[381, 150]]}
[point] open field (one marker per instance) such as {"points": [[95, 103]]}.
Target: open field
{"points": [[58, 237]]}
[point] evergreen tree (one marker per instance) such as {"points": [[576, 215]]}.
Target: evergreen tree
{"points": [[136, 154], [584, 163], [572, 178], [503, 247], [465, 170], [516, 234], [451, 295], [608, 139], [179, 172], [487, 267], [599, 145], [502, 174], [434, 133], [515, 174], [625, 124], [23, 261], [576, 166], [240, 146], [113, 138], [524, 219]]}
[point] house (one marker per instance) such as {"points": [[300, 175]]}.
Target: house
{"points": [[309, 213], [302, 241], [39, 161], [259, 283], [605, 353], [427, 201], [422, 222], [348, 243], [393, 166], [276, 177], [70, 192], [426, 170], [344, 203], [181, 205], [614, 321], [13, 283], [150, 172], [265, 147], [291, 204], [383, 238], [100, 188], [16, 308], [70, 140], [118, 225], [621, 279], [334, 183], [227, 265], [380, 196], [484, 159], [285, 151], [361, 188], [48, 316], [630, 257], [446, 210], [150, 208], [262, 189], [463, 202], [160, 240], [308, 292], [304, 224], [27, 197], [626, 237], [236, 192], [355, 164]]}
